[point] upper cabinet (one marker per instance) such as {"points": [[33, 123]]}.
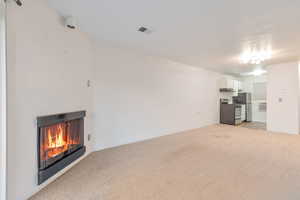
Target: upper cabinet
{"points": [[227, 84], [235, 85], [240, 87]]}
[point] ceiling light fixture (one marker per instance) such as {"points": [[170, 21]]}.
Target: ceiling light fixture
{"points": [[254, 56]]}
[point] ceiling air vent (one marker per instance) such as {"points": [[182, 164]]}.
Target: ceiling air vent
{"points": [[143, 29]]}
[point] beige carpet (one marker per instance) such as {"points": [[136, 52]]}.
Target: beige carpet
{"points": [[213, 163]]}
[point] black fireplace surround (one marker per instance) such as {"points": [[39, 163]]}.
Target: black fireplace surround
{"points": [[60, 141]]}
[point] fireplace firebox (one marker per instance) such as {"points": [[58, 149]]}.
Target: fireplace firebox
{"points": [[60, 142]]}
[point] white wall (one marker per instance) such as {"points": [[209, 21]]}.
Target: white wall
{"points": [[139, 97], [136, 97], [48, 67], [248, 82], [2, 102], [283, 82]]}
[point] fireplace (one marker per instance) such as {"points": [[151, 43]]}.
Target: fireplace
{"points": [[60, 142]]}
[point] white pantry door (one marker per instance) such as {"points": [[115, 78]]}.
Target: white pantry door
{"points": [[2, 100]]}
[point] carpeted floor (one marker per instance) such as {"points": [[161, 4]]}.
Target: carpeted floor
{"points": [[213, 163]]}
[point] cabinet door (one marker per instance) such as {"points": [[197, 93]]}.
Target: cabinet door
{"points": [[222, 83], [235, 85], [240, 85], [230, 83]]}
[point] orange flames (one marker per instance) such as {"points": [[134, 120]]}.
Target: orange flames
{"points": [[57, 140]]}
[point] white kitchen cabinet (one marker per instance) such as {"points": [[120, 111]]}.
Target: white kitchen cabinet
{"points": [[240, 87], [226, 83], [230, 85], [235, 85]]}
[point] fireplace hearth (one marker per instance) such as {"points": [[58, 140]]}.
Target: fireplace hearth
{"points": [[60, 142]]}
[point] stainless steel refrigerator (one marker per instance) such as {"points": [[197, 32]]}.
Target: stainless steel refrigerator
{"points": [[245, 98]]}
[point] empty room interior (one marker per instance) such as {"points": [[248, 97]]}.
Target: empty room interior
{"points": [[149, 100]]}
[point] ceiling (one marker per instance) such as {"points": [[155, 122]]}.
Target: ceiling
{"points": [[204, 33]]}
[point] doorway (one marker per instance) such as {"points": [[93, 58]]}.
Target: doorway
{"points": [[257, 87]]}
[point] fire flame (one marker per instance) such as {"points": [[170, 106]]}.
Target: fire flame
{"points": [[56, 140]]}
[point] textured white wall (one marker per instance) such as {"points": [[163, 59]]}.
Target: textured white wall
{"points": [[283, 82], [2, 102], [136, 97], [49, 66], [139, 97]]}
